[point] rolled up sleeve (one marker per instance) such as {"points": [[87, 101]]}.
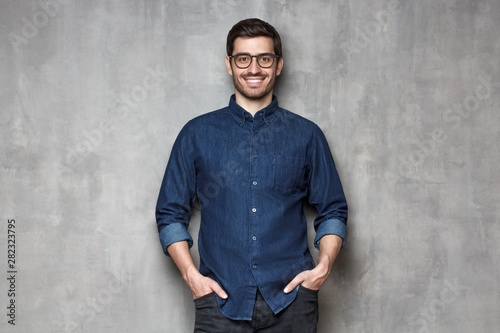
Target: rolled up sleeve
{"points": [[325, 191], [330, 227], [177, 193]]}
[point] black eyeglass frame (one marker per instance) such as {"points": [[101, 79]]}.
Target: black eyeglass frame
{"points": [[271, 55]]}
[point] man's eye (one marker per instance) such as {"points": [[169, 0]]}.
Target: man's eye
{"points": [[265, 59], [243, 59]]}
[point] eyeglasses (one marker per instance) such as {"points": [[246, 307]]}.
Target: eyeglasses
{"points": [[244, 60]]}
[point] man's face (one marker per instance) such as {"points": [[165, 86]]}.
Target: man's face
{"points": [[254, 82]]}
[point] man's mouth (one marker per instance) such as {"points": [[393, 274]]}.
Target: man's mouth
{"points": [[254, 80]]}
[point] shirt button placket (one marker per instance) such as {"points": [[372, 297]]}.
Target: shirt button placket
{"points": [[253, 174]]}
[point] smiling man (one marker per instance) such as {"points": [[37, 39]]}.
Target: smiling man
{"points": [[254, 80], [251, 165]]}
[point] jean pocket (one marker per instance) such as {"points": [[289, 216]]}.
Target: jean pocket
{"points": [[289, 174], [309, 291], [204, 298]]}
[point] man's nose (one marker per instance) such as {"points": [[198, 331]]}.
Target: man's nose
{"points": [[254, 67]]}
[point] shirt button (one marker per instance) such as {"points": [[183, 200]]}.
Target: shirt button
{"points": [[254, 210], [254, 156], [254, 183], [254, 266], [254, 238]]}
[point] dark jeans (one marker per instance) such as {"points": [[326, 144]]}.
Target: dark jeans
{"points": [[301, 316]]}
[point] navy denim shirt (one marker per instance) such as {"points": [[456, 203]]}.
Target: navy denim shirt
{"points": [[251, 175]]}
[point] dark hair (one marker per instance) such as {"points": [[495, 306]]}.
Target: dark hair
{"points": [[253, 27]]}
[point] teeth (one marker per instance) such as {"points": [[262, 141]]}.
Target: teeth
{"points": [[254, 81]]}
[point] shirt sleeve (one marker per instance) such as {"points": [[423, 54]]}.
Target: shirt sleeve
{"points": [[325, 191], [177, 193]]}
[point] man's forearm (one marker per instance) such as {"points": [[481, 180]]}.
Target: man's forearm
{"points": [[179, 252], [329, 248]]}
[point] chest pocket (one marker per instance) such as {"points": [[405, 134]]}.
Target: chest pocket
{"points": [[289, 174]]}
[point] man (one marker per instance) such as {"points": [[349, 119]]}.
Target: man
{"points": [[251, 165]]}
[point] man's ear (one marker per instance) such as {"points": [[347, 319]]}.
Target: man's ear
{"points": [[279, 67], [228, 66]]}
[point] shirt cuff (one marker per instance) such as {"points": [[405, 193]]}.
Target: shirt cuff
{"points": [[330, 227], [173, 233]]}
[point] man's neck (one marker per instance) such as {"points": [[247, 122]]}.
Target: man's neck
{"points": [[253, 105]]}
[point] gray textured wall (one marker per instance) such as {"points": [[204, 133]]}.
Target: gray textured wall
{"points": [[93, 94]]}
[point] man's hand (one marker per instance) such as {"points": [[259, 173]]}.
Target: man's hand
{"points": [[311, 279], [201, 285], [329, 248]]}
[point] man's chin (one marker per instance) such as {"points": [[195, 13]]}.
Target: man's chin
{"points": [[255, 96]]}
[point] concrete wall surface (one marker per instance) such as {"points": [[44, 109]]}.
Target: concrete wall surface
{"points": [[93, 94]]}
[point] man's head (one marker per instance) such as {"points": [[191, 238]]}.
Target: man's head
{"points": [[253, 27], [254, 60]]}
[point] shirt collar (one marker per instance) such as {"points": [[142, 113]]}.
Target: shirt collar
{"points": [[241, 115]]}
